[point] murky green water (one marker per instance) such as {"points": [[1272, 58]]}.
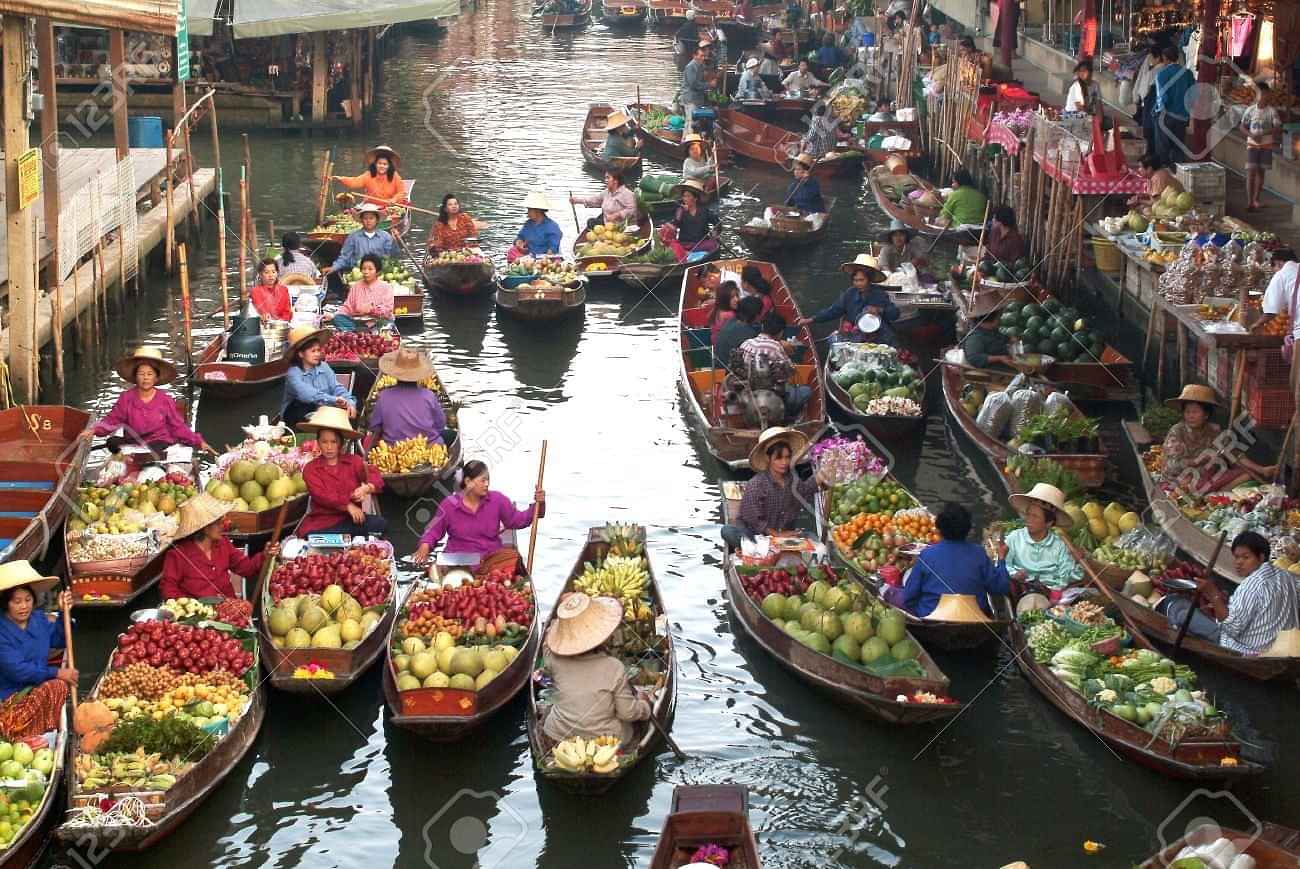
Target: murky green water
{"points": [[331, 784]]}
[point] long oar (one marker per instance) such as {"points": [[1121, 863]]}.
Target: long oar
{"points": [[1196, 596], [275, 538], [532, 533], [654, 722], [574, 209], [67, 644]]}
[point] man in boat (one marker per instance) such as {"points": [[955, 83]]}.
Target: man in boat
{"points": [[1263, 612], [768, 353], [696, 81], [774, 497], [367, 239], [617, 203], [954, 565], [539, 235], [689, 33], [984, 345], [737, 330], [752, 88], [805, 191], [620, 138], [900, 246], [801, 82], [866, 309], [823, 132]]}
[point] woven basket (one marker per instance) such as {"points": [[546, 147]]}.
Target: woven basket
{"points": [[789, 221]]}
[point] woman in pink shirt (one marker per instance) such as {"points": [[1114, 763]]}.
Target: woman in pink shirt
{"points": [[724, 307], [146, 414], [369, 297], [472, 518]]}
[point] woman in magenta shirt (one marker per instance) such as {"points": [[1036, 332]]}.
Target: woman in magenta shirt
{"points": [[145, 413], [472, 519]]}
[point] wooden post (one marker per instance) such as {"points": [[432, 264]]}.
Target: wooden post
{"points": [[319, 78], [185, 307], [354, 81], [192, 216], [49, 145], [368, 98], [216, 137], [20, 223], [221, 250], [243, 251], [248, 196], [324, 186], [117, 69], [169, 177], [56, 330]]}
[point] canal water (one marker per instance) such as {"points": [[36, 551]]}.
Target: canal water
{"points": [[492, 110]]}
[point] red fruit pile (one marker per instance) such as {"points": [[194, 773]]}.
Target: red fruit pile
{"points": [[360, 345], [361, 570], [235, 611], [769, 580], [183, 648], [491, 600]]}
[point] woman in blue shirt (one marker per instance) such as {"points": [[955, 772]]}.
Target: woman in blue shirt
{"points": [[866, 296], [954, 566], [26, 634], [310, 382], [540, 235], [805, 192]]}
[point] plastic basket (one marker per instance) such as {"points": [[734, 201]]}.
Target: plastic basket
{"points": [[1108, 256], [1270, 369], [1270, 406]]}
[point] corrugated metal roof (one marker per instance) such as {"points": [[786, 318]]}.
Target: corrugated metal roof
{"points": [[150, 16]]}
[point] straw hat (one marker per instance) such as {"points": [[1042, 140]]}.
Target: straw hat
{"points": [[369, 208], [16, 573], [332, 418], [868, 262], [199, 512], [582, 623], [897, 225], [125, 367], [1048, 496], [298, 280], [706, 40], [797, 441], [300, 336], [692, 137], [537, 199], [751, 63], [615, 120], [406, 365], [957, 608], [691, 184], [1194, 392], [383, 151], [806, 160]]}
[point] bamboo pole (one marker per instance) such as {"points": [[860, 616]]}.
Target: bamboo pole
{"points": [[326, 161], [252, 222], [56, 328], [532, 534], [171, 228], [243, 250], [221, 252], [185, 308]]}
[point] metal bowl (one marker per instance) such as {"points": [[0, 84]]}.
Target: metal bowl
{"points": [[153, 614]]}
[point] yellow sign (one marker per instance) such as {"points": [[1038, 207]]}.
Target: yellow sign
{"points": [[29, 177]]}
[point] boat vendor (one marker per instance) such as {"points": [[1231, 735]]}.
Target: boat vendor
{"points": [[593, 696], [1004, 242], [620, 139], [539, 235], [1036, 553], [954, 565], [774, 497], [900, 245], [368, 297], [1192, 454], [454, 227], [983, 345], [147, 415], [696, 82], [805, 191], [692, 228], [1263, 613], [829, 56], [736, 331], [408, 409], [753, 284], [698, 165], [1159, 178], [201, 560], [310, 383], [270, 297], [823, 132], [751, 87], [616, 202], [802, 81], [472, 518], [366, 240], [27, 635], [294, 260], [768, 350], [965, 205], [866, 309], [380, 182], [339, 484]]}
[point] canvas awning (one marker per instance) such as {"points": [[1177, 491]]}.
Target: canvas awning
{"points": [[149, 16], [201, 14], [280, 17]]}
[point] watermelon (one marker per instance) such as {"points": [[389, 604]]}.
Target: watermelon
{"points": [[1031, 310], [1060, 336], [1034, 323], [1046, 346]]}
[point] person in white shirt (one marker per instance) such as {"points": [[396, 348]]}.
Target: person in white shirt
{"points": [[751, 87], [1280, 297], [801, 81], [1262, 126], [1082, 96]]}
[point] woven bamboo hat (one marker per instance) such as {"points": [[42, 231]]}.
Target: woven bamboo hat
{"points": [[582, 623], [298, 280], [897, 225], [369, 208], [615, 120], [795, 439], [1194, 392], [696, 187], [1045, 495], [383, 151], [332, 418], [125, 366], [692, 137], [805, 160], [537, 199], [868, 262], [16, 573], [199, 512], [300, 336], [406, 365], [957, 608]]}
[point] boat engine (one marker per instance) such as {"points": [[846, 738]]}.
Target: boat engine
{"points": [[755, 394]]}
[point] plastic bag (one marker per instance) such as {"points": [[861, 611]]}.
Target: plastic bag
{"points": [[1058, 403], [1025, 404], [994, 414], [1020, 381]]}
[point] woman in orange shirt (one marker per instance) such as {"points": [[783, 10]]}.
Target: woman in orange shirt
{"points": [[380, 182], [453, 226]]}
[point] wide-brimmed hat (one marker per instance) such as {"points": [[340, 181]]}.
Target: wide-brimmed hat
{"points": [[369, 208], [805, 160], [957, 608], [199, 512], [897, 225], [330, 417], [406, 365], [537, 199], [797, 441], [1194, 392], [16, 573], [582, 623], [383, 151], [1046, 495], [751, 63], [125, 367], [692, 137], [614, 120], [868, 262], [696, 187], [300, 336], [298, 280]]}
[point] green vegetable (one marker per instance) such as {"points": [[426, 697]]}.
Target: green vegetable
{"points": [[169, 736], [1029, 471], [1158, 420]]}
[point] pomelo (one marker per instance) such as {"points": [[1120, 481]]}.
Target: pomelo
{"points": [[407, 682], [461, 682], [848, 647], [829, 626], [874, 648], [774, 605], [858, 627], [891, 627], [903, 650]]}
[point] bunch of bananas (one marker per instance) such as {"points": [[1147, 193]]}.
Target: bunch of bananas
{"points": [[620, 577], [577, 754], [136, 770], [407, 455], [387, 380], [624, 539]]}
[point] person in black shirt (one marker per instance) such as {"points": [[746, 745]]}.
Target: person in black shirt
{"points": [[738, 329]]}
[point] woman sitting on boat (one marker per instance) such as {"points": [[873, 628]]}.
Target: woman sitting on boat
{"points": [[339, 484], [900, 245], [1192, 455], [407, 409], [27, 635], [380, 182], [1004, 242], [369, 297], [294, 260], [593, 696], [270, 297], [539, 235], [1036, 553], [751, 87], [620, 139], [453, 227], [698, 165], [805, 191], [692, 228], [954, 566], [472, 518], [310, 382], [199, 564], [866, 309], [616, 202], [724, 307], [774, 497], [147, 415], [965, 205], [753, 284]]}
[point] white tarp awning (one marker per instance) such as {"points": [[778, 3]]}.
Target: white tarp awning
{"points": [[279, 17], [200, 18]]}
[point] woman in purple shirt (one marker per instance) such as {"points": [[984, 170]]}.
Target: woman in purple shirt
{"points": [[146, 414], [407, 409], [472, 519]]}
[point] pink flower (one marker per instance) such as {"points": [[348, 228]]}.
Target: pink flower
{"points": [[711, 853]]}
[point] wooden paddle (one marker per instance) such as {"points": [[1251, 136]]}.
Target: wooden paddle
{"points": [[1196, 596], [67, 644], [275, 538], [654, 722], [574, 209], [532, 533]]}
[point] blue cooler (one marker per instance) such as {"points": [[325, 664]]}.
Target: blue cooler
{"points": [[145, 132]]}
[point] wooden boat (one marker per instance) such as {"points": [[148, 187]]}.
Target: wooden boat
{"points": [[878, 156], [987, 296], [787, 108], [554, 21], [665, 209], [254, 526], [657, 655], [650, 276], [459, 279], [623, 13], [1200, 758], [727, 436], [413, 484], [326, 240], [768, 143], [1198, 545], [31, 840], [550, 302], [593, 143], [725, 14], [220, 379], [920, 218], [1271, 846], [347, 665], [664, 140], [787, 227], [42, 453], [1090, 467], [883, 427], [448, 714], [170, 808], [703, 814], [363, 370], [644, 231], [668, 11], [408, 308]]}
